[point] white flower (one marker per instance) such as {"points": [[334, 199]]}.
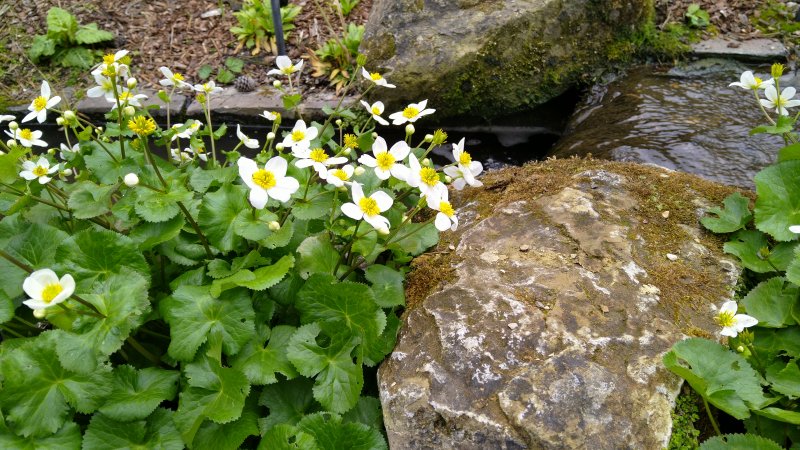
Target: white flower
{"points": [[269, 115], [368, 208], [339, 176], [300, 137], [65, 149], [387, 163], [376, 109], [173, 79], [466, 169], [200, 152], [111, 65], [317, 158], [424, 178], [27, 138], [192, 126], [208, 88], [39, 106], [126, 97], [6, 117], [794, 229], [748, 81], [446, 218], [779, 102], [285, 66], [732, 323], [180, 156], [248, 142], [411, 113], [104, 88], [40, 169], [45, 289], [131, 179], [271, 181], [376, 78]]}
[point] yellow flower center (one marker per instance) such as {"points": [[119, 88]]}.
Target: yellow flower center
{"points": [[109, 71], [141, 125], [319, 155], [725, 319], [51, 291], [375, 76], [410, 112], [26, 134], [177, 77], [264, 178], [428, 176], [446, 208], [340, 174], [376, 111], [369, 206], [298, 135], [207, 88], [108, 85], [350, 140], [465, 159], [39, 171], [124, 96], [40, 103], [758, 81], [109, 59], [385, 161]]}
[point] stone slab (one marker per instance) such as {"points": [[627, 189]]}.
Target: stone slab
{"points": [[99, 105], [757, 50]]}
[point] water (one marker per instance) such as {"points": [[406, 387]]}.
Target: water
{"points": [[683, 119]]}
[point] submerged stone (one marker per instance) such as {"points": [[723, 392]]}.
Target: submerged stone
{"points": [[559, 345]]}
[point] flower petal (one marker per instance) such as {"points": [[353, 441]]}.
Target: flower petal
{"points": [[382, 199], [258, 198], [277, 166], [352, 211]]}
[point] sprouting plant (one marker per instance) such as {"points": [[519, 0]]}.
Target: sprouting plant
{"points": [[226, 74], [336, 58], [698, 17], [347, 5], [66, 42], [256, 29]]}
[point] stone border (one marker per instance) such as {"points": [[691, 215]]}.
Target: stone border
{"points": [[752, 50]]}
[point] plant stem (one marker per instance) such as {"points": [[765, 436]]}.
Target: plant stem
{"points": [[711, 417], [346, 248], [197, 230], [143, 351], [10, 331]]}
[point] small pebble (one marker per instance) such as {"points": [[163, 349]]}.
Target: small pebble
{"points": [[645, 221], [665, 214], [604, 308], [212, 13], [524, 248], [451, 247], [512, 326], [672, 257]]}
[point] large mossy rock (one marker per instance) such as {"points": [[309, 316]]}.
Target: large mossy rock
{"points": [[543, 320], [491, 57]]}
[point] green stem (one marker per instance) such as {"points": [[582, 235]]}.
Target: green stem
{"points": [[197, 230], [389, 241], [143, 351], [207, 111], [10, 331], [25, 322], [119, 118], [711, 417], [346, 249]]}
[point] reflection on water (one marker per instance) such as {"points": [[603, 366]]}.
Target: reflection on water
{"points": [[689, 121]]}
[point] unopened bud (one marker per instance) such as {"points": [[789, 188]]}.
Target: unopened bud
{"points": [[361, 59], [128, 111], [39, 313], [359, 171], [342, 188], [276, 84], [426, 162], [13, 125], [131, 180], [448, 179], [270, 136], [60, 121], [274, 226], [338, 122], [51, 151], [347, 151], [10, 143], [279, 146], [374, 135], [66, 172], [69, 115], [410, 129], [428, 137], [777, 70], [383, 230], [740, 349], [98, 130], [131, 83]]}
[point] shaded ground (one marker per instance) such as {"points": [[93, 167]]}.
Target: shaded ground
{"points": [[158, 33]]}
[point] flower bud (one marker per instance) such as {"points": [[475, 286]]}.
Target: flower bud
{"points": [[66, 172], [426, 162], [69, 115], [270, 136], [777, 70], [383, 230], [2, 153], [448, 179], [13, 126], [60, 121], [428, 138], [274, 226], [338, 122], [98, 130], [39, 313], [131, 83], [131, 179], [439, 137], [359, 171], [361, 59], [342, 188], [10, 143], [347, 151], [128, 111], [276, 84], [410, 129], [279, 146], [374, 135], [51, 151], [740, 349]]}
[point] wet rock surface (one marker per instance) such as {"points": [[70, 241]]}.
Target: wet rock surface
{"points": [[545, 324]]}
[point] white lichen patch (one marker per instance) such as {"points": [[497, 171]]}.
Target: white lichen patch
{"points": [[485, 374], [633, 271], [649, 295]]}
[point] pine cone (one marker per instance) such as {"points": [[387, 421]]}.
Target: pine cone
{"points": [[243, 83]]}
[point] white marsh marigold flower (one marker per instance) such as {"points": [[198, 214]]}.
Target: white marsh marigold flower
{"points": [[748, 81], [45, 289], [732, 324], [40, 169], [271, 181], [285, 66], [411, 113], [376, 78], [387, 162], [300, 137], [779, 102], [368, 208], [39, 106]]}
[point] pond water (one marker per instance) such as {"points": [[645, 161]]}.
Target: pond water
{"points": [[686, 119]]}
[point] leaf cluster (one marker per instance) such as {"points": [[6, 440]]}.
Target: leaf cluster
{"points": [[336, 59], [67, 43], [256, 29]]}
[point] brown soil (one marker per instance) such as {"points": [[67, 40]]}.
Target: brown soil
{"points": [[158, 33], [733, 18]]}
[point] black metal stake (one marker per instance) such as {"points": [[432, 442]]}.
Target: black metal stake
{"points": [[276, 20]]}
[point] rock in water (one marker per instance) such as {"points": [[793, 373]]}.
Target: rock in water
{"points": [[490, 57], [560, 346]]}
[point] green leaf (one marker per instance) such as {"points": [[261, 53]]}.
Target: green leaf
{"points": [[9, 171], [61, 23], [317, 255], [154, 206], [287, 437], [235, 65], [38, 392], [279, 238], [415, 238], [78, 57], [202, 179], [747, 245], [771, 343], [288, 402], [204, 71], [218, 214], [97, 254], [67, 438], [225, 76], [739, 442], [220, 268], [779, 414], [735, 215], [34, 244], [316, 207], [184, 250], [387, 285], [789, 152], [231, 435], [254, 228], [367, 411], [793, 270], [261, 364], [41, 46], [122, 298], [149, 234], [338, 381], [291, 101], [90, 34], [90, 200], [158, 431], [778, 202], [722, 377], [784, 125], [101, 164], [217, 393], [785, 378], [137, 393], [257, 280], [193, 314], [771, 302], [332, 434]]}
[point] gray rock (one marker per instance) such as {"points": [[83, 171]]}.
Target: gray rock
{"points": [[490, 57], [558, 347], [758, 50]]}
